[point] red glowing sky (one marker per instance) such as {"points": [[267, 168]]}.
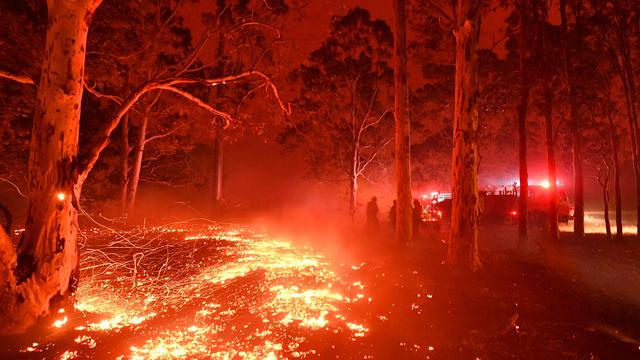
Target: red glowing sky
{"points": [[274, 175]]}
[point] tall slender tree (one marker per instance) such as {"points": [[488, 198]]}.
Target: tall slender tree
{"points": [[345, 90], [524, 8], [402, 126], [614, 142], [546, 50], [550, 140], [223, 13], [575, 125], [463, 244], [615, 25]]}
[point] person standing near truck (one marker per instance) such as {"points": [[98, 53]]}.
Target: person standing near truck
{"points": [[393, 214], [417, 219], [373, 224]]}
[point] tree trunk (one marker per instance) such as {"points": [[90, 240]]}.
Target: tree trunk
{"points": [[617, 193], [353, 197], [137, 165], [463, 243], [402, 127], [523, 211], [217, 168], [605, 200], [552, 218], [604, 174], [578, 181], [126, 149], [613, 138], [625, 70], [124, 163], [634, 129], [44, 271], [215, 94], [578, 177]]}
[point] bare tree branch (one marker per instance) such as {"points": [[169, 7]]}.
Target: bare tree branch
{"points": [[22, 79], [247, 95], [14, 186], [199, 102], [256, 23], [432, 5], [160, 136], [373, 157], [101, 140], [92, 90]]}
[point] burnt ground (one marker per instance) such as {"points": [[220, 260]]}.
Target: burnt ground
{"points": [[571, 300]]}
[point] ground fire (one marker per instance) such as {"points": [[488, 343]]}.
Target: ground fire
{"points": [[232, 179]]}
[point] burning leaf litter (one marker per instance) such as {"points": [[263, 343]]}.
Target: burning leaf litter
{"points": [[203, 291]]}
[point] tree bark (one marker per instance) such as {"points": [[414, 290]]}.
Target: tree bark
{"points": [[137, 164], [523, 211], [605, 200], [125, 150], [217, 169], [402, 127], [353, 196], [578, 179], [44, 271], [552, 218], [124, 163], [463, 243], [604, 174], [8, 219], [215, 94], [615, 149]]}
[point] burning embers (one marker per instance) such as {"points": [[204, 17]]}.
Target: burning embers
{"points": [[206, 292]]}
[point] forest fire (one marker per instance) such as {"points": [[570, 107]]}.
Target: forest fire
{"points": [[189, 290], [304, 140], [594, 224]]}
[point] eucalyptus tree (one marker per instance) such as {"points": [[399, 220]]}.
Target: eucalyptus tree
{"points": [[402, 126], [44, 269], [614, 27], [346, 101], [463, 17]]}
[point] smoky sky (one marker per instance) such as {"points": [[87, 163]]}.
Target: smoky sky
{"points": [[259, 173]]}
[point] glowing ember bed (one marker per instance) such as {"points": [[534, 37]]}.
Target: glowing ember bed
{"points": [[200, 291]]}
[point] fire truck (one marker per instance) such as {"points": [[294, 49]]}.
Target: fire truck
{"points": [[500, 204], [538, 203]]}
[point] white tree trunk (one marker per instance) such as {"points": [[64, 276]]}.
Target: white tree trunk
{"points": [[137, 165], [44, 272], [124, 164], [217, 170], [353, 196]]}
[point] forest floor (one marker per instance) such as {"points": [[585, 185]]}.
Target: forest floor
{"points": [[571, 300], [204, 290]]}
